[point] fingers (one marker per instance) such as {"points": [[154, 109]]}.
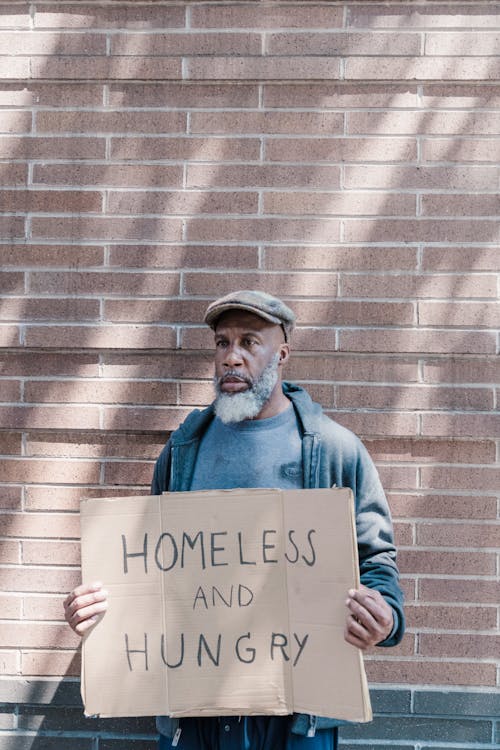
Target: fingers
{"points": [[370, 618], [84, 606]]}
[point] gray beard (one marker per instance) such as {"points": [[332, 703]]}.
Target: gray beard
{"points": [[236, 407]]}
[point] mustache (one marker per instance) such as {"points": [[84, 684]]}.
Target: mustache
{"points": [[232, 375]]}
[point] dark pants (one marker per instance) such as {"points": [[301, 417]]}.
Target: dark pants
{"points": [[247, 733]]}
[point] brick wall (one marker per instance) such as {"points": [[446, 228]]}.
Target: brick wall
{"points": [[343, 155]]}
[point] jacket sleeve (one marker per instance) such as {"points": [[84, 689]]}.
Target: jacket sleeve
{"points": [[161, 472], [376, 549]]}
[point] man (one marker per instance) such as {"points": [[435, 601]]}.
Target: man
{"points": [[264, 432]]}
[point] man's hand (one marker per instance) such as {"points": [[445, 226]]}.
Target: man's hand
{"points": [[84, 607], [370, 618]]}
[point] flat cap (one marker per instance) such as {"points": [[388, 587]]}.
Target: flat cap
{"points": [[264, 305]]}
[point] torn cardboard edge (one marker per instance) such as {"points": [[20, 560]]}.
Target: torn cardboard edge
{"points": [[223, 602]]}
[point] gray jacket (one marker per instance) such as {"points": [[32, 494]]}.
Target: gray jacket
{"points": [[332, 457]]}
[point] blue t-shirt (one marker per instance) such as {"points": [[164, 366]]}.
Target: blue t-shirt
{"points": [[252, 453]]}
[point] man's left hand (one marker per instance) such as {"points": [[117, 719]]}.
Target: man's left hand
{"points": [[370, 618]]}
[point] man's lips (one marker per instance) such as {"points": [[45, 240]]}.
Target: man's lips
{"points": [[233, 383]]}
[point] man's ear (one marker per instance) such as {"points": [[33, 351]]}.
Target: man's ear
{"points": [[284, 352]]}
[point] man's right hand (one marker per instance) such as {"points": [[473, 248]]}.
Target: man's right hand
{"points": [[84, 606]]}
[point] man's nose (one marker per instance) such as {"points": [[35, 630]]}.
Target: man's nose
{"points": [[233, 356]]}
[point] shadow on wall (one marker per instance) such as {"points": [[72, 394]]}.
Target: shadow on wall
{"points": [[152, 186]]}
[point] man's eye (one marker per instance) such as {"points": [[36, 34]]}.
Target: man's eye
{"points": [[249, 342], [220, 344]]}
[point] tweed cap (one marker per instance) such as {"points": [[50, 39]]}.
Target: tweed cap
{"points": [[264, 305]]}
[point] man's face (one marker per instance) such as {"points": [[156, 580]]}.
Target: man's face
{"points": [[248, 350]]}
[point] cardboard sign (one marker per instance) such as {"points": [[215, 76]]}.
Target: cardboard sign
{"points": [[222, 603]]}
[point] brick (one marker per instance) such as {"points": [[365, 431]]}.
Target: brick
{"points": [[465, 178], [219, 284], [341, 149], [439, 672], [403, 535], [12, 227], [81, 444], [14, 16], [28, 256], [38, 580], [88, 122], [190, 202], [10, 443], [9, 553], [62, 15], [60, 147], [463, 314], [451, 370], [46, 553], [343, 203], [462, 149], [15, 67], [422, 230], [9, 664], [48, 201], [115, 175], [85, 68], [421, 286], [196, 394], [35, 308], [462, 44], [458, 205], [459, 646], [459, 259], [431, 451], [342, 43], [344, 312], [340, 96], [443, 506], [61, 693], [42, 608], [35, 525], [451, 618], [415, 727], [188, 256], [463, 425], [483, 479], [101, 392], [63, 719], [48, 416], [340, 367], [267, 123], [193, 149], [66, 498], [19, 741], [378, 340], [265, 230], [265, 17], [457, 703], [463, 15], [181, 44], [418, 398], [10, 498], [104, 229], [135, 418], [463, 590], [460, 96], [46, 94], [100, 337], [371, 424], [57, 663], [398, 477], [183, 95], [9, 336], [339, 258], [409, 123], [145, 311], [128, 473], [38, 471], [425, 69], [150, 366], [446, 562], [107, 283], [33, 43], [260, 176], [26, 364], [11, 607], [11, 391], [13, 175], [37, 635]]}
